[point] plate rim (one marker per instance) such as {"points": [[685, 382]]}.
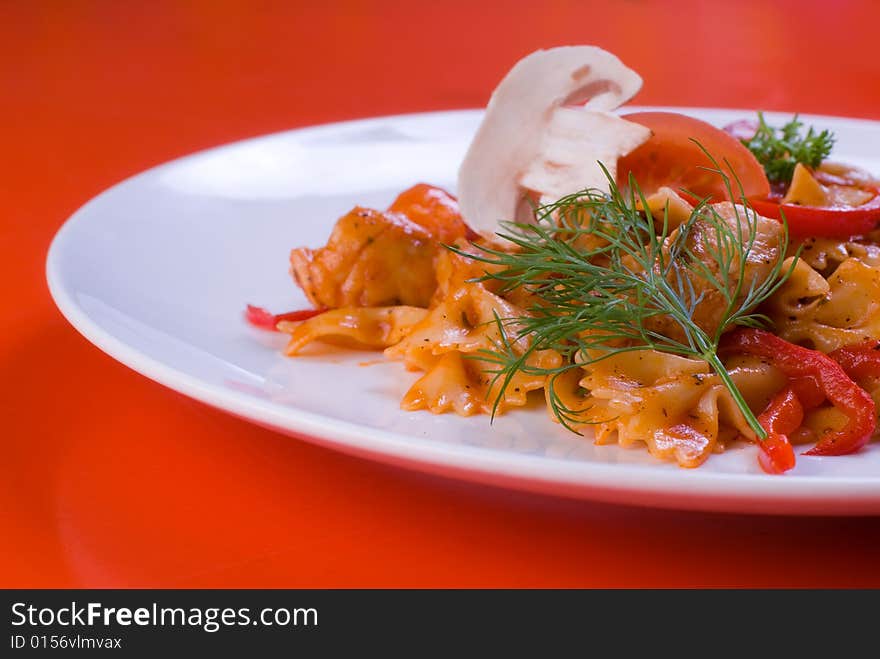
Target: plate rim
{"points": [[611, 482]]}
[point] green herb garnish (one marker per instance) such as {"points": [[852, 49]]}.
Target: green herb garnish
{"points": [[600, 270], [780, 149]]}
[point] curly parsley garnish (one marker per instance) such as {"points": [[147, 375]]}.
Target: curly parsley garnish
{"points": [[780, 149]]}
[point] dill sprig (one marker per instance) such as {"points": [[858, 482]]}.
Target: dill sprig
{"points": [[599, 270], [780, 149]]}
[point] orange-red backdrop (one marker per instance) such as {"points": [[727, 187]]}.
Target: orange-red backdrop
{"points": [[111, 480]]}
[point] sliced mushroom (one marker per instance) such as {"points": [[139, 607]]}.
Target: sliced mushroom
{"points": [[546, 128]]}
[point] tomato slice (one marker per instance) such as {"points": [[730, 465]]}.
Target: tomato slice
{"points": [[671, 158]]}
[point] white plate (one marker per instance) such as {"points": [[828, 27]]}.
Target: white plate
{"points": [[157, 270]]}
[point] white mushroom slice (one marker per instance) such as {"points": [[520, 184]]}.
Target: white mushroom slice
{"points": [[575, 141], [545, 128]]}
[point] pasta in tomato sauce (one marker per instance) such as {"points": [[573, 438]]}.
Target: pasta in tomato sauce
{"points": [[653, 309]]}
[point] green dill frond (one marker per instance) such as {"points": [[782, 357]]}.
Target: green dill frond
{"points": [[601, 271]]}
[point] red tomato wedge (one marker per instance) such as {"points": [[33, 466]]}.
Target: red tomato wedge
{"points": [[671, 158]]}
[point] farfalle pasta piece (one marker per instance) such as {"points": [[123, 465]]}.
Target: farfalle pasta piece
{"points": [[462, 384], [674, 405], [654, 398], [829, 311], [667, 204], [371, 259], [464, 321], [825, 254], [362, 327], [448, 344]]}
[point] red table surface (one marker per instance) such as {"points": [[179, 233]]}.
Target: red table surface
{"points": [[111, 480]]}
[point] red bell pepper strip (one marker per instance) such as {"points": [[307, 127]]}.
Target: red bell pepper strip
{"points": [[816, 221], [860, 360], [259, 317], [828, 376], [782, 417]]}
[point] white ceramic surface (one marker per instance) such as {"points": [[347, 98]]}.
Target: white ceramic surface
{"points": [[157, 270]]}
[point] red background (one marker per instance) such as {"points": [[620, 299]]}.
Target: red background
{"points": [[111, 480]]}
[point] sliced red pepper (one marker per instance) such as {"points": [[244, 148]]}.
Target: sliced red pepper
{"points": [[808, 391], [259, 317], [782, 417], [860, 360], [814, 221], [828, 376]]}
